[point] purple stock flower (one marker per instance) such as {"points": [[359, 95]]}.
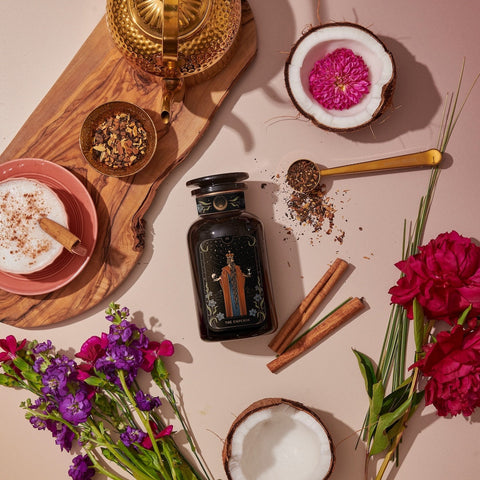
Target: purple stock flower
{"points": [[127, 358], [81, 468], [131, 436], [55, 380], [64, 437], [43, 347], [64, 362], [128, 333], [37, 365], [123, 313], [146, 402], [120, 357], [123, 331], [37, 422], [75, 408]]}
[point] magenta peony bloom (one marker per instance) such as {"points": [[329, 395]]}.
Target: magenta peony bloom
{"points": [[444, 277], [453, 365], [339, 80]]}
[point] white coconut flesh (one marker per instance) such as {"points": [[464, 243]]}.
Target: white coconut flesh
{"points": [[280, 443], [322, 41]]}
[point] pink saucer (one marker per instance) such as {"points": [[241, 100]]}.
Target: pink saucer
{"points": [[82, 221]]}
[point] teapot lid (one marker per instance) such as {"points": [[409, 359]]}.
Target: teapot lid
{"points": [[148, 15]]}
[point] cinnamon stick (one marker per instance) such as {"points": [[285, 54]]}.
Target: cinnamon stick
{"points": [[310, 339], [308, 306], [59, 233]]}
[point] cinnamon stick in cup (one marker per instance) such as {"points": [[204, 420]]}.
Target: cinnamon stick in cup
{"points": [[311, 338], [308, 306]]}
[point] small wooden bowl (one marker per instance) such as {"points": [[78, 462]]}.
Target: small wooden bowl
{"points": [[102, 113]]}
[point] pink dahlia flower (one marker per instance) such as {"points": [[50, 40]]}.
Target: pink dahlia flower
{"points": [[339, 80]]}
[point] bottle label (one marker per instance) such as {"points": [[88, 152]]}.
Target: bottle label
{"points": [[233, 294], [223, 202]]}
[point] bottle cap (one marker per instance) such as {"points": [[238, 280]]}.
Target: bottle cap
{"points": [[218, 183]]}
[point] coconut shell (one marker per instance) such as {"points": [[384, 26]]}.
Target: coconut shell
{"points": [[261, 405], [387, 90]]}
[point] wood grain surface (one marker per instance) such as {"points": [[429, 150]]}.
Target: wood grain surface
{"points": [[98, 73]]}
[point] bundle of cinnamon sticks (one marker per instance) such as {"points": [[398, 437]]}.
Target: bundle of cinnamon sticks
{"points": [[282, 342]]}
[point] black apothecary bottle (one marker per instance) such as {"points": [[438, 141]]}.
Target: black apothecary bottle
{"points": [[229, 262]]}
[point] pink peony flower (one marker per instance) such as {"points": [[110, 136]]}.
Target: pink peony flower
{"points": [[444, 277], [339, 80], [453, 365]]}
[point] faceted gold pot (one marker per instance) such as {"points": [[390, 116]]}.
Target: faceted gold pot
{"points": [[175, 39]]}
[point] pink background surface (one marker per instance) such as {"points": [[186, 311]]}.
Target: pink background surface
{"points": [[256, 130]]}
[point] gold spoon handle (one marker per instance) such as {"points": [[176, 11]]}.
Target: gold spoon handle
{"points": [[427, 158]]}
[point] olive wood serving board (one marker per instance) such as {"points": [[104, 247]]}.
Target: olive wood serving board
{"points": [[98, 73]]}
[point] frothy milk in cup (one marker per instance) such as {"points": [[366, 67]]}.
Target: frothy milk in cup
{"points": [[24, 246]]}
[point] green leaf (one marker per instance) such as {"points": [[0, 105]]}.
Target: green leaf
{"points": [[381, 439], [94, 381], [21, 364], [8, 381], [149, 458], [160, 368], [378, 394], [416, 399], [418, 325], [32, 377], [9, 370], [27, 371], [464, 315], [394, 399], [108, 454], [367, 370], [399, 426]]}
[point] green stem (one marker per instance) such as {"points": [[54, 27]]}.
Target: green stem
{"points": [[139, 475], [399, 436], [101, 469], [167, 390], [393, 353], [144, 420]]}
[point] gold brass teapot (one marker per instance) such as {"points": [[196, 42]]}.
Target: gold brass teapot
{"points": [[174, 39]]}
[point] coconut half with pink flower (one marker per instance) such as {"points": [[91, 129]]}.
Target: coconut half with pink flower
{"points": [[340, 76]]}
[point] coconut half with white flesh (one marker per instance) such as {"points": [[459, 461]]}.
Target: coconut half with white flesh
{"points": [[320, 44], [278, 439]]}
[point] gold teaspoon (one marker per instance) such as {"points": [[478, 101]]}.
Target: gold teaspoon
{"points": [[304, 175]]}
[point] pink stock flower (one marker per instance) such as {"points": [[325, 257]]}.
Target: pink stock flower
{"points": [[10, 347], [155, 350], [91, 350], [147, 442], [339, 80], [453, 367]]}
